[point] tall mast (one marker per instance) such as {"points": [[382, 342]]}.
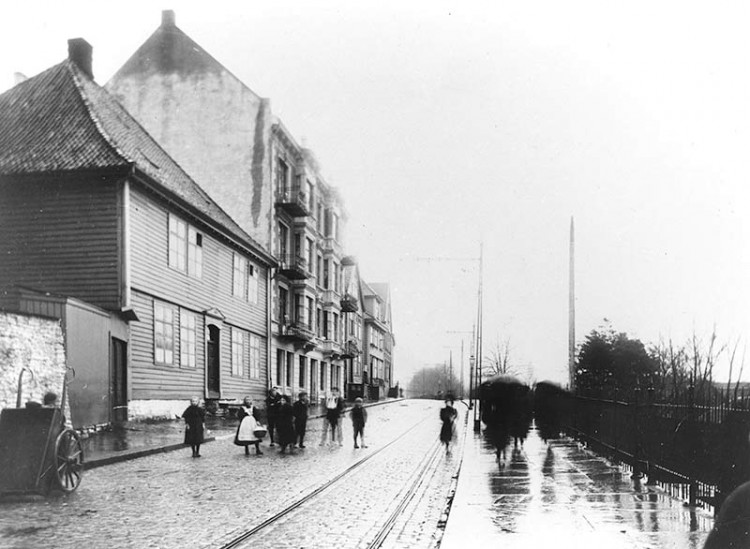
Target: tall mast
{"points": [[572, 312]]}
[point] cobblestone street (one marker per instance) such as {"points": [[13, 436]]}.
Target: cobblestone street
{"points": [[170, 500]]}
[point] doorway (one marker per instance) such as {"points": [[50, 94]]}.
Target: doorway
{"points": [[118, 379], [213, 364]]}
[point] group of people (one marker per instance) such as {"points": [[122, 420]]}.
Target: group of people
{"points": [[286, 422]]}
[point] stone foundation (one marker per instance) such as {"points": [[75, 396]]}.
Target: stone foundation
{"points": [[143, 410]]}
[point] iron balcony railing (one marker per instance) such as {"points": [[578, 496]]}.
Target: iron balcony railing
{"points": [[298, 330], [294, 266], [349, 304], [293, 200]]}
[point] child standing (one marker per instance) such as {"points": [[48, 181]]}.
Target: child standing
{"points": [[299, 410], [359, 418], [195, 418]]}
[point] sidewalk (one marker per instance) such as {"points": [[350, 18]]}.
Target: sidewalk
{"points": [[562, 496], [138, 439]]}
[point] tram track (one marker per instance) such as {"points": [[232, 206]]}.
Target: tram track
{"points": [[417, 478]]}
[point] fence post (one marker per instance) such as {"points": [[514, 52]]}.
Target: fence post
{"points": [[650, 420], [637, 473], [615, 414], [692, 483]]}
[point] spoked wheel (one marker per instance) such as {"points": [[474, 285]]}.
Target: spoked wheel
{"points": [[68, 460]]}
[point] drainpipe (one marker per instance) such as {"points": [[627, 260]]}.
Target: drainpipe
{"points": [[126, 298]]}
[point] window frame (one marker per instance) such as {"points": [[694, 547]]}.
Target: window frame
{"points": [[164, 336]]}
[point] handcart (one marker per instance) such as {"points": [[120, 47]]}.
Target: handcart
{"points": [[38, 453]]}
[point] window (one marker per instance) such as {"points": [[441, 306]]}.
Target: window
{"points": [[302, 370], [299, 309], [289, 369], [283, 240], [313, 372], [326, 324], [185, 247], [319, 330], [319, 275], [323, 376], [327, 223], [252, 284], [239, 275], [163, 333], [280, 366], [187, 338], [310, 313], [239, 358], [195, 253], [326, 269], [254, 369], [282, 176], [310, 255], [283, 300], [320, 217], [244, 279], [177, 243]]}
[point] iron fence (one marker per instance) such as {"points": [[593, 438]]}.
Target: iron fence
{"points": [[698, 439]]}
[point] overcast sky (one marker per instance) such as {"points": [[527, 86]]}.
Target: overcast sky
{"points": [[444, 123]]}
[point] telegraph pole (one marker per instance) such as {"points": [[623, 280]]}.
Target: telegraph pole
{"points": [[572, 312], [478, 356]]}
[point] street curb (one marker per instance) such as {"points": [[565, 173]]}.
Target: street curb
{"points": [[138, 454], [177, 446]]}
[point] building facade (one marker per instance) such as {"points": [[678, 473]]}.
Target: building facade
{"points": [[93, 208], [379, 340], [271, 185]]}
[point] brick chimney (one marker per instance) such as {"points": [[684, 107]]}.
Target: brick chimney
{"points": [[80, 53], [168, 18]]}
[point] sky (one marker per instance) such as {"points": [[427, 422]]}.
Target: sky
{"points": [[446, 124]]}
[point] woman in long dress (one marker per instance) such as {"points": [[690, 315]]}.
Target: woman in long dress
{"points": [[249, 418], [285, 425], [195, 418], [448, 416]]}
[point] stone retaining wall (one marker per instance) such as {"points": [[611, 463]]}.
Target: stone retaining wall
{"points": [[37, 344]]}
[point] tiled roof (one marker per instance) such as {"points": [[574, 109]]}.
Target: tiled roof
{"points": [[61, 121]]}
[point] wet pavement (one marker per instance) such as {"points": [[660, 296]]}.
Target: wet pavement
{"points": [[561, 495], [170, 500]]}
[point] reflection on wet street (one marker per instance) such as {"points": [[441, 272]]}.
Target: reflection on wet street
{"points": [[560, 495]]}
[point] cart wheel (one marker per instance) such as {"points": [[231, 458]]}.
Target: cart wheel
{"points": [[68, 460]]}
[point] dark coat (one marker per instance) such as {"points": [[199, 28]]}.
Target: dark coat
{"points": [[300, 412], [359, 416], [194, 417], [273, 402], [448, 416], [285, 424]]}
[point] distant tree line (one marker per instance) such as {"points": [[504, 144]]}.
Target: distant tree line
{"points": [[611, 364], [433, 382]]}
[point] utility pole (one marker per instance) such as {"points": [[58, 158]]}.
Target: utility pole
{"points": [[572, 312], [450, 372], [478, 359]]}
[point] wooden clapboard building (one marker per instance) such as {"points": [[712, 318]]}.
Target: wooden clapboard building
{"points": [[92, 207]]}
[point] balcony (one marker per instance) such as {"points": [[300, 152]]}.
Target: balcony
{"points": [[331, 349], [332, 246], [351, 349], [298, 331], [294, 267], [328, 298], [293, 200], [349, 304]]}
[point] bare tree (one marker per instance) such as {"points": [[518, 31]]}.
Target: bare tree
{"points": [[498, 361]]}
